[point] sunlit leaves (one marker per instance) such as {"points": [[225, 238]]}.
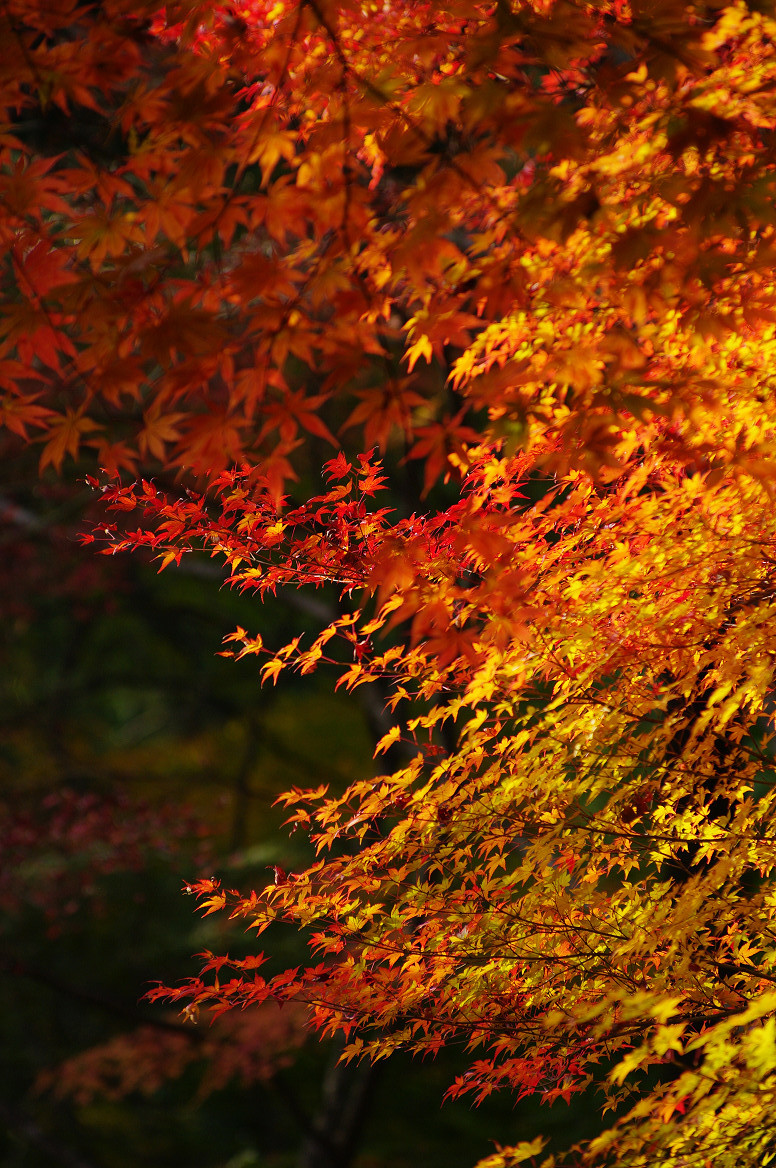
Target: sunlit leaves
{"points": [[513, 890]]}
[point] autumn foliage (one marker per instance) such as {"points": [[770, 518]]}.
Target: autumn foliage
{"points": [[529, 247]]}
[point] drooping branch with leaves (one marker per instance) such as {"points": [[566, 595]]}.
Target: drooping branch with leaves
{"points": [[518, 890]]}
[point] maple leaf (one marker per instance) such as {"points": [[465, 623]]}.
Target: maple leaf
{"points": [[19, 411], [66, 436], [41, 266], [158, 431]]}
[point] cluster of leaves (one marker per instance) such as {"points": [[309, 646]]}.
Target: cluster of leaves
{"points": [[576, 862], [280, 214], [249, 1047]]}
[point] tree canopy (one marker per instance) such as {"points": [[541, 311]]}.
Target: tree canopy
{"points": [[504, 274]]}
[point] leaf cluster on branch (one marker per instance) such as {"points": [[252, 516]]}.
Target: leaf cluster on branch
{"points": [[586, 871]]}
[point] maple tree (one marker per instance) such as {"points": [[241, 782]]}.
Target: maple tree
{"points": [[529, 247]]}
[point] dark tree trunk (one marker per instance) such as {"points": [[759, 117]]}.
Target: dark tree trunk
{"points": [[345, 1100]]}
